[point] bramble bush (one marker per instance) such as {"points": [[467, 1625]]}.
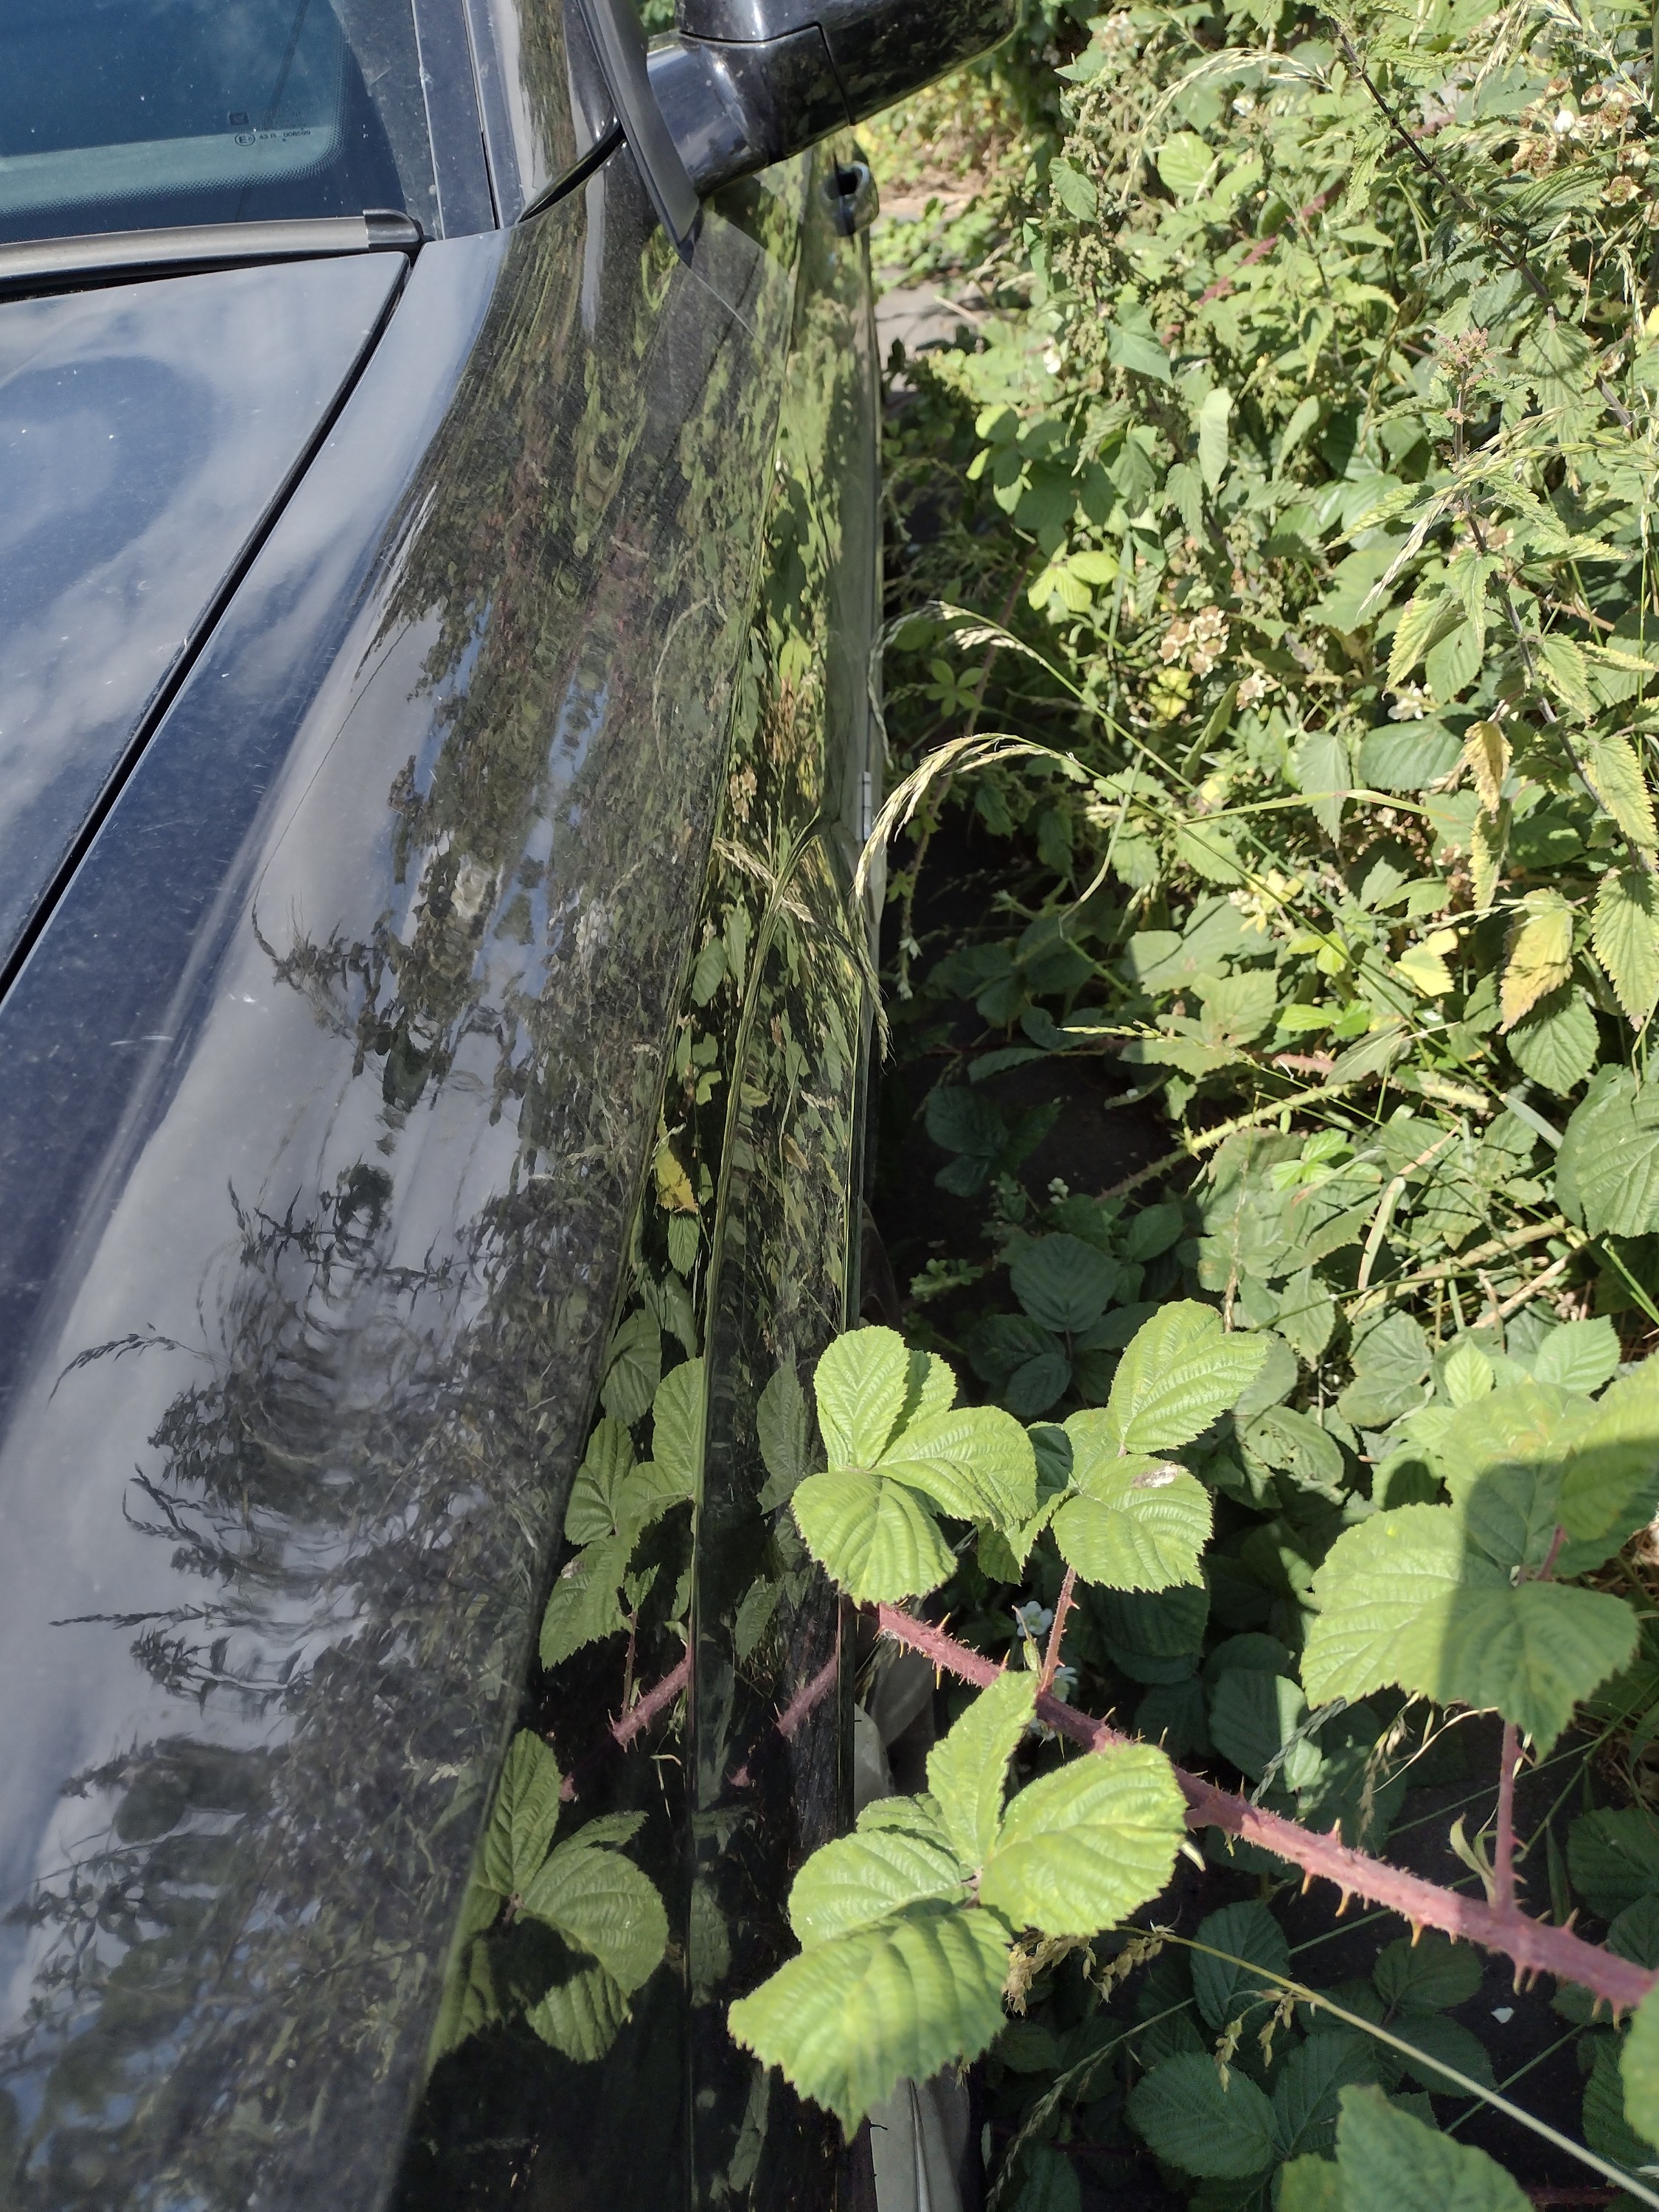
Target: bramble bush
{"points": [[1272, 598]]}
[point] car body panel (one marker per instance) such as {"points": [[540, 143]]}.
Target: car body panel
{"points": [[146, 432], [326, 1094], [739, 1254]]}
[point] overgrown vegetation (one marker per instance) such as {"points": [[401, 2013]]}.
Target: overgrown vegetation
{"points": [[1275, 644]]}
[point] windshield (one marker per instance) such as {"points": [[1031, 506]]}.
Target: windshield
{"points": [[135, 114]]}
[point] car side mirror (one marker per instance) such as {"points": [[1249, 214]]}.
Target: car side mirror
{"points": [[742, 83], [747, 82]]}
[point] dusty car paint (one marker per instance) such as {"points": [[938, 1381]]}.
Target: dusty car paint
{"points": [[146, 432]]}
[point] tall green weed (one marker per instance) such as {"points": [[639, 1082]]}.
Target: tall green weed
{"points": [[1273, 594]]}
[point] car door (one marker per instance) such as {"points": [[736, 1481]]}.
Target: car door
{"points": [[329, 1090], [705, 1640]]}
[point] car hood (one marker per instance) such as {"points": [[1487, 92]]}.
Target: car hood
{"points": [[148, 432]]}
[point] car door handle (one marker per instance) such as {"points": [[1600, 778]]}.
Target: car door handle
{"points": [[855, 202]]}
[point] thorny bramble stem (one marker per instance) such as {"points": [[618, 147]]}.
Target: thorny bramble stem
{"points": [[1062, 1606], [1535, 1947]]}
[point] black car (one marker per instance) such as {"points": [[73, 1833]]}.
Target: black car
{"points": [[438, 538]]}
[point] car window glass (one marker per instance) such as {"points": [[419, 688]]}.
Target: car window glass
{"points": [[134, 114]]}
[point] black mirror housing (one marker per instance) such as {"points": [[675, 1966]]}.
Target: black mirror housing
{"points": [[744, 83]]}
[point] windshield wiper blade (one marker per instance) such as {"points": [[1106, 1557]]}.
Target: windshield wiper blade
{"points": [[27, 263]]}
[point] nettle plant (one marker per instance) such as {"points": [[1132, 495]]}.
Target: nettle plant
{"points": [[925, 1928]]}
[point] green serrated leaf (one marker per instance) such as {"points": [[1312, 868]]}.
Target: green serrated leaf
{"points": [[1132, 347], [610, 1828], [1387, 2160], [1427, 616], [849, 2020], [1607, 1168], [1213, 419], [1238, 1939], [1076, 193], [601, 1903], [633, 1368], [1489, 836], [1307, 2095], [1615, 773], [967, 1769], [1438, 2043], [709, 972], [584, 1606], [876, 1539], [581, 2015], [1579, 1356], [919, 1816], [592, 1514], [1253, 1715], [1063, 1283], [781, 1426], [1527, 1424], [1188, 2118], [1610, 1480], [1625, 933], [856, 1880], [974, 1462], [1612, 1857], [1294, 1444], [1431, 1975], [469, 2000], [1606, 2129], [1403, 1601], [1180, 1371], [523, 1815], [676, 1424], [1561, 664], [1453, 662], [1134, 1523], [1183, 162], [1556, 1043], [1080, 1849], [861, 1384]]}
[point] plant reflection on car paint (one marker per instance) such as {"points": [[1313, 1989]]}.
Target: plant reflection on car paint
{"points": [[740, 1250], [318, 1370]]}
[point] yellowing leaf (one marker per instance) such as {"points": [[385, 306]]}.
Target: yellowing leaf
{"points": [[1424, 966], [1625, 933], [1539, 955], [1487, 841], [674, 1191], [1486, 757]]}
